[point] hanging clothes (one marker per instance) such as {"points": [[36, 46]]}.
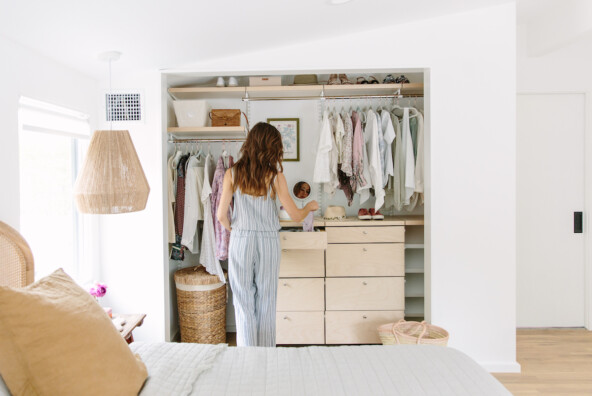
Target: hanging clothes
{"points": [[333, 184], [362, 189], [388, 134], [418, 197], [221, 233], [171, 181], [374, 163], [321, 172], [409, 158], [347, 159], [193, 205], [180, 198], [207, 256], [339, 134]]}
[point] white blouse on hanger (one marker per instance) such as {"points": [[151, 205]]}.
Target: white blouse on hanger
{"points": [[388, 135], [409, 157], [374, 162], [208, 241], [194, 180], [322, 162]]}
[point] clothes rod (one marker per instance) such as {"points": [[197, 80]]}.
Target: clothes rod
{"points": [[197, 140], [249, 99]]}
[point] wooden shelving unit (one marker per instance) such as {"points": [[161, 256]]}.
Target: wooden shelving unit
{"points": [[295, 91], [207, 132]]}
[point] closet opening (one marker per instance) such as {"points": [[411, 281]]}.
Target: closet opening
{"points": [[392, 252]]}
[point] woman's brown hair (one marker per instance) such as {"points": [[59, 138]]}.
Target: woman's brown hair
{"points": [[260, 161]]}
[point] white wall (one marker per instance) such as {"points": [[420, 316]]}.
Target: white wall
{"points": [[132, 249], [25, 72], [471, 203]]}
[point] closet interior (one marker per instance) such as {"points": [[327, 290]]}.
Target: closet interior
{"points": [[337, 283]]}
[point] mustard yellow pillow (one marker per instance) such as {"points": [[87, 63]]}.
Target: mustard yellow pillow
{"points": [[56, 340]]}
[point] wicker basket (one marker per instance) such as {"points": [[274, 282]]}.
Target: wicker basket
{"points": [[201, 299], [404, 332]]}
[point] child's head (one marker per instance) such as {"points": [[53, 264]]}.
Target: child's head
{"points": [[260, 160]]}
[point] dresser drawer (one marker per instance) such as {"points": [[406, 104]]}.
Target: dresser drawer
{"points": [[301, 294], [357, 327], [365, 234], [354, 294], [300, 328], [297, 263], [303, 240], [369, 259]]}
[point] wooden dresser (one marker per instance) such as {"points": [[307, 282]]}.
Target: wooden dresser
{"points": [[337, 285]]}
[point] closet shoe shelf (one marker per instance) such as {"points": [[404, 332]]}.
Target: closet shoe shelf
{"points": [[295, 91]]}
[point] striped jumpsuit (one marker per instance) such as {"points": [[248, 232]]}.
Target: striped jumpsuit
{"points": [[253, 267]]}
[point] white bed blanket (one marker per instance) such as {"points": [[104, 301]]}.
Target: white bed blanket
{"points": [[345, 370]]}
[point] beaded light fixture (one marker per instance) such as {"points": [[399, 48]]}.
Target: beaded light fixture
{"points": [[111, 179]]}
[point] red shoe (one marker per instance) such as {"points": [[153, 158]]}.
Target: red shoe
{"points": [[376, 215], [364, 215]]}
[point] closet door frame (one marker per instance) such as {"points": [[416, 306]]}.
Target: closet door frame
{"points": [[587, 216]]}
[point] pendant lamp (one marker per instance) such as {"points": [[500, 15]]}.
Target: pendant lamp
{"points": [[111, 179]]}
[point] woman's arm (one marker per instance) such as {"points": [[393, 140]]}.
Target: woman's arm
{"points": [[225, 200], [281, 186]]}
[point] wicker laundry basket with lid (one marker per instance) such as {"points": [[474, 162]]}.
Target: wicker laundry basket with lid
{"points": [[201, 299], [404, 332]]}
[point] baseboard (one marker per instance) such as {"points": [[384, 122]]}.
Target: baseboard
{"points": [[501, 367]]}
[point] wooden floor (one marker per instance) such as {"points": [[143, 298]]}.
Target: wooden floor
{"points": [[554, 362]]}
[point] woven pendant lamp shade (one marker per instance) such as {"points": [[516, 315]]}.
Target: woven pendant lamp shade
{"points": [[112, 179]]}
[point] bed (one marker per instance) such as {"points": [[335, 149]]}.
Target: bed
{"points": [[197, 369]]}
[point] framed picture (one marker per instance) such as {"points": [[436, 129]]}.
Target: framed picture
{"points": [[290, 130]]}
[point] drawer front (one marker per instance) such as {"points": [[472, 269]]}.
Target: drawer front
{"points": [[357, 327], [300, 328], [303, 240], [301, 294], [358, 294], [366, 234], [370, 259], [302, 263]]}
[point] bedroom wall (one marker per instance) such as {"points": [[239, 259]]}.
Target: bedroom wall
{"points": [[25, 72], [470, 231]]}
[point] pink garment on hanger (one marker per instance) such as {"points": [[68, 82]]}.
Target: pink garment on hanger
{"points": [[222, 235]]}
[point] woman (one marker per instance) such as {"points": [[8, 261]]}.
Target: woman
{"points": [[254, 181]]}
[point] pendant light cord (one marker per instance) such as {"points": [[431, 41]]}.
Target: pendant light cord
{"points": [[110, 99]]}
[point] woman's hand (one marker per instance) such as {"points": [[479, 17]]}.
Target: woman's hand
{"points": [[312, 206]]}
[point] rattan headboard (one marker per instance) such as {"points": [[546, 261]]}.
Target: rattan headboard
{"points": [[16, 259]]}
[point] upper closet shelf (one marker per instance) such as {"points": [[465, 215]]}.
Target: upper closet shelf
{"points": [[231, 132], [295, 91]]}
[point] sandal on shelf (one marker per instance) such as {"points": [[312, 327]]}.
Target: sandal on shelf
{"points": [[389, 79], [344, 80], [364, 215], [373, 80], [402, 80], [376, 215], [334, 80], [363, 81]]}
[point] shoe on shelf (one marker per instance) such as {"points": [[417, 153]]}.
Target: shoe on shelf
{"points": [[376, 215], [364, 215], [232, 82], [220, 82], [361, 80], [344, 80], [373, 80], [389, 79], [334, 80], [402, 79]]}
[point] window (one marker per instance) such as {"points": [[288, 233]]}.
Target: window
{"points": [[51, 142]]}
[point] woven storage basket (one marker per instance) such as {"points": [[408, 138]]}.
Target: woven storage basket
{"points": [[404, 332], [201, 299]]}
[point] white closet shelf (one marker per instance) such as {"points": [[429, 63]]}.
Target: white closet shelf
{"points": [[294, 91], [414, 246], [208, 132]]}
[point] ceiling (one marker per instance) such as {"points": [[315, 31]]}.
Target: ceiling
{"points": [[175, 33]]}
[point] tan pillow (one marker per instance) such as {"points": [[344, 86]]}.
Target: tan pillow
{"points": [[56, 340]]}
